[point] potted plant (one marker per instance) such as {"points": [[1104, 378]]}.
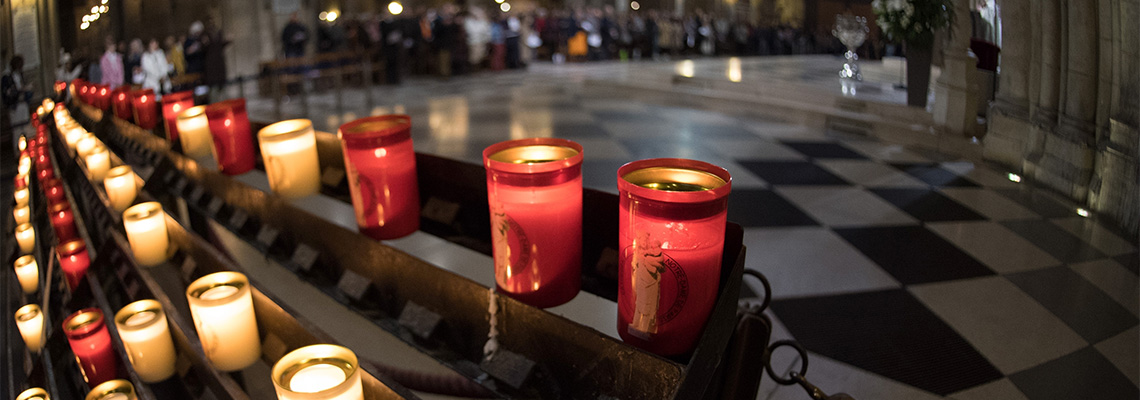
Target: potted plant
{"points": [[913, 22]]}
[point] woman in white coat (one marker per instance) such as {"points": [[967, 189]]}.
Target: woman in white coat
{"points": [[154, 67]]}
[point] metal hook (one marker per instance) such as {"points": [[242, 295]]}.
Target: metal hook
{"points": [[767, 289]]}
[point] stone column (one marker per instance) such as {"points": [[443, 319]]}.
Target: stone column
{"points": [[1009, 122], [1049, 55], [955, 94]]}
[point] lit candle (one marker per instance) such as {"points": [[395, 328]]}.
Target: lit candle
{"points": [[671, 236], [53, 191], [534, 188], [289, 151], [45, 173], [145, 224], [28, 273], [26, 237], [322, 371], [103, 98], [30, 321], [21, 196], [143, 329], [172, 105], [73, 260], [23, 143], [34, 394], [381, 165], [98, 163], [146, 112], [233, 143], [115, 389], [73, 136], [121, 187], [91, 342], [222, 306], [85, 145], [23, 214], [63, 221], [24, 166], [194, 132], [121, 103]]}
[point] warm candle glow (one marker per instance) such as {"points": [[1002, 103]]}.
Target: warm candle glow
{"points": [[98, 163], [91, 343], [73, 260], [26, 237], [323, 371], [233, 143], [146, 336], [194, 132], [73, 136], [121, 187], [115, 389], [30, 321], [289, 151], [381, 166], [28, 273], [222, 306], [21, 196], [172, 105], [34, 394], [23, 214], [145, 225], [86, 145], [23, 143], [24, 166]]}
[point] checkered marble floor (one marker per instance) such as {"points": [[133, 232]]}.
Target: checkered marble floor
{"points": [[906, 274]]}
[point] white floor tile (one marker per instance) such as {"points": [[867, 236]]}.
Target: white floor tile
{"points": [[845, 206], [1007, 326], [1116, 281], [1000, 389], [811, 261], [994, 245], [1121, 350], [871, 173], [755, 149], [981, 174], [1099, 237], [834, 377], [886, 152], [989, 203]]}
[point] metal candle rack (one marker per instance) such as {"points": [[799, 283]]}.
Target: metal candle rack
{"points": [[555, 357]]}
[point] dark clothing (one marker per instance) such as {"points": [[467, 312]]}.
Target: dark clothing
{"points": [[215, 58], [294, 38], [195, 54]]}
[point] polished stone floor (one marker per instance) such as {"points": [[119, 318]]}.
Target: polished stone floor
{"points": [[907, 274]]}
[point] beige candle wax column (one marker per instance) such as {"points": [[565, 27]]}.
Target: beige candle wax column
{"points": [[222, 306], [98, 163], [23, 214], [318, 372], [23, 143], [28, 273], [145, 224], [30, 321], [26, 237], [289, 150], [146, 335], [72, 137], [21, 196], [194, 132], [24, 166], [115, 389], [86, 145], [34, 394], [121, 187]]}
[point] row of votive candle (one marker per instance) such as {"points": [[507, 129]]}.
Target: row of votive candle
{"points": [[115, 389], [220, 129]]}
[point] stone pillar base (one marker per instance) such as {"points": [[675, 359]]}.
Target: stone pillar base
{"points": [[1115, 189], [955, 95], [1005, 139]]}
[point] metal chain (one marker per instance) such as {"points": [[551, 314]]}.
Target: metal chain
{"points": [[797, 378]]}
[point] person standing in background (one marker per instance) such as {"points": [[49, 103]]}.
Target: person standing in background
{"points": [[294, 37], [17, 93], [111, 66], [193, 50], [215, 59], [154, 67], [174, 55], [134, 61]]}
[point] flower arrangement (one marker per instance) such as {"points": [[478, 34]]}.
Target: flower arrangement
{"points": [[913, 21]]}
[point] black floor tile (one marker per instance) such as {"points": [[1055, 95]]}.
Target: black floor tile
{"points": [[824, 150], [792, 173], [889, 333], [1054, 240], [1084, 374], [1083, 306], [927, 205], [1038, 202], [913, 254], [764, 208], [934, 175], [1130, 261]]}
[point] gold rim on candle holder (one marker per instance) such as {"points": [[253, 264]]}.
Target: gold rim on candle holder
{"points": [[672, 179], [218, 279], [319, 354], [27, 313], [112, 387], [192, 112], [139, 315], [533, 154], [287, 129], [82, 319], [141, 211], [34, 394], [118, 172]]}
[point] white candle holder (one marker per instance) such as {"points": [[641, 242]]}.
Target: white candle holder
{"points": [[318, 372], [34, 394], [30, 320], [73, 135], [98, 163], [86, 144], [22, 214], [145, 224], [222, 306], [28, 273], [121, 187], [21, 196], [194, 132], [289, 151], [26, 237], [146, 336], [115, 389]]}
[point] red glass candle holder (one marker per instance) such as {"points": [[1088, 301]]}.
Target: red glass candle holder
{"points": [[121, 103], [83, 93], [172, 105], [60, 86], [381, 166], [73, 260], [145, 108], [19, 182], [45, 173], [233, 142], [63, 221], [534, 188], [53, 190], [91, 342], [671, 236], [103, 97]]}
